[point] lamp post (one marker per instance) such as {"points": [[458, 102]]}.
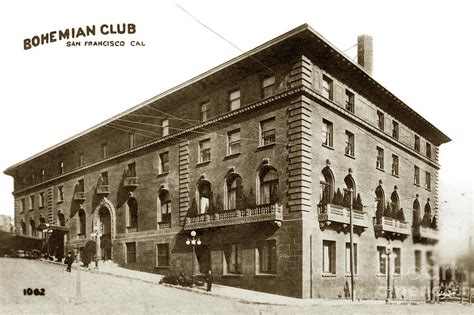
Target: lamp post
{"points": [[46, 232], [96, 236], [193, 242], [388, 251]]}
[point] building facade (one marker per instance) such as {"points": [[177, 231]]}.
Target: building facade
{"points": [[263, 157]]}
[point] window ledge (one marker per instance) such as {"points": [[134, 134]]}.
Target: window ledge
{"points": [[232, 156], [31, 209], [380, 169], [350, 156], [266, 146], [381, 275], [232, 275], [162, 174], [60, 201], [41, 207], [417, 185], [396, 175], [327, 146], [329, 275], [349, 275], [428, 189], [269, 275], [203, 163]]}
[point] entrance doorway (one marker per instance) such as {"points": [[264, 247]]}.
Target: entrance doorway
{"points": [[203, 255], [105, 225]]}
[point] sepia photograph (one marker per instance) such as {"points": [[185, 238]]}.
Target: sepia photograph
{"points": [[238, 157]]}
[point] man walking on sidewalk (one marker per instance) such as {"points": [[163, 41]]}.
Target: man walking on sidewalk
{"points": [[209, 280], [68, 261]]}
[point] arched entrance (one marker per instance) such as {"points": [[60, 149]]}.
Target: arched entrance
{"points": [[104, 224]]}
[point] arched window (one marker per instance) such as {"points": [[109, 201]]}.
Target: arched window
{"points": [[164, 203], [233, 192], [426, 221], [350, 186], [268, 186], [380, 199], [132, 214], [416, 212], [23, 227], [327, 186], [82, 222], [205, 196], [428, 209], [395, 201], [32, 227], [61, 219]]}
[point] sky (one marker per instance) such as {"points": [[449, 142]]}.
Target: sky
{"points": [[422, 53]]}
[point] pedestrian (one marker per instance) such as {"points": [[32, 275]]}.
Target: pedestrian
{"points": [[209, 280], [68, 261]]}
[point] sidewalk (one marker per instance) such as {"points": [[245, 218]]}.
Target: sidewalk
{"points": [[227, 292]]}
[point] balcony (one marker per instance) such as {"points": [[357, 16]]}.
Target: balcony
{"points": [[391, 227], [103, 189], [79, 196], [130, 182], [340, 216], [259, 214], [426, 234]]}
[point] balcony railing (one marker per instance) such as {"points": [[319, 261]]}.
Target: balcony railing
{"points": [[130, 182], [103, 189], [257, 214], [333, 213], [391, 225], [79, 196], [426, 233]]}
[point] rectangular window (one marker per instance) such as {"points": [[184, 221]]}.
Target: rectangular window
{"points": [[417, 175], [428, 180], [397, 258], [162, 255], [204, 151], [268, 86], [329, 257], [164, 162], [349, 101], [348, 258], [327, 133], [22, 205], [33, 178], [232, 259], [428, 150], [131, 140], [417, 143], [165, 127], [43, 174], [382, 260], [205, 111], [267, 128], [233, 142], [380, 120], [131, 170], [327, 87], [81, 159], [131, 252], [104, 177], [80, 185], [267, 257], [234, 100], [396, 130], [32, 202], [418, 261], [380, 158], [105, 150], [349, 143], [41, 199], [395, 165], [61, 167], [60, 193]]}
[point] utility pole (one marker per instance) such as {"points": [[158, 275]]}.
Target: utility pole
{"points": [[351, 249]]}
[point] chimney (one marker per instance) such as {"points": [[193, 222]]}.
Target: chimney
{"points": [[365, 53]]}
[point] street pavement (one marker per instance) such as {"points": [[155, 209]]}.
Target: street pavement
{"points": [[114, 290]]}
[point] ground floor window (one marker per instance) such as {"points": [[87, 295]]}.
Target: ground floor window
{"points": [[267, 257], [418, 261], [162, 255], [232, 259], [131, 252], [397, 258], [382, 260], [329, 257], [348, 258]]}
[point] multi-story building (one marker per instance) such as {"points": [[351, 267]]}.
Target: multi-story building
{"points": [[263, 157]]}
